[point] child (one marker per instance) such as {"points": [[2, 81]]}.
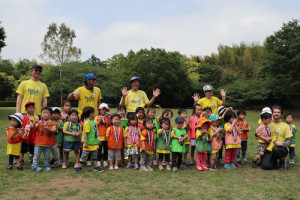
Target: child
{"points": [[289, 120], [71, 138], [58, 137], [163, 143], [178, 136], [103, 122], [232, 140], [44, 139], [132, 141], [216, 140], [147, 145], [90, 139], [183, 113], [122, 112], [114, 135], [244, 127], [151, 114], [15, 134], [193, 124], [140, 112], [263, 134], [203, 143], [207, 112], [67, 107], [28, 119]]}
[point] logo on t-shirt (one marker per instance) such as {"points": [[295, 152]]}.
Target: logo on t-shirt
{"points": [[33, 92], [89, 99], [38, 88], [213, 102], [94, 94]]}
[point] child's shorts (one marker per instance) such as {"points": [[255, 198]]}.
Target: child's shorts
{"points": [[130, 151], [85, 155], [261, 148], [27, 148], [114, 154], [70, 146], [193, 141]]}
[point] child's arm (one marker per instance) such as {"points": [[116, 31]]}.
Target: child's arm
{"points": [[51, 130], [160, 131], [85, 140], [232, 125], [160, 111]]}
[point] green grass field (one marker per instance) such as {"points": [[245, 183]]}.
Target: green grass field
{"points": [[242, 183]]}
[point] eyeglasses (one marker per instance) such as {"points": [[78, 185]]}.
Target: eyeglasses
{"points": [[38, 70], [93, 79]]}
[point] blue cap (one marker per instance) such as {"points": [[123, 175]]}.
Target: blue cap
{"points": [[213, 117], [135, 78], [179, 120], [89, 76], [36, 66]]}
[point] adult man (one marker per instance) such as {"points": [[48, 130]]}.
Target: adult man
{"points": [[209, 100], [281, 137], [87, 95], [136, 98], [32, 90]]}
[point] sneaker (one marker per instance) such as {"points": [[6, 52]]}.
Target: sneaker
{"points": [[168, 168], [174, 169], [227, 166], [144, 168], [136, 166], [204, 167], [221, 161], [97, 169], [89, 163], [128, 165], [64, 166], [55, 164], [20, 168], [192, 162], [99, 163], [154, 162], [187, 163], [199, 168], [254, 164], [52, 161], [76, 165], [47, 168], [245, 160], [116, 167], [149, 168], [161, 168], [232, 165], [9, 167], [213, 168], [239, 160], [282, 166], [37, 169], [111, 167], [78, 169], [105, 164], [292, 162], [237, 164]]}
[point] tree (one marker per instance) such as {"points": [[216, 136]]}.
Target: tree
{"points": [[209, 74], [7, 83], [93, 60], [6, 67], [2, 37]]}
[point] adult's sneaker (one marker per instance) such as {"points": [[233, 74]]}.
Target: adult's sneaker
{"points": [[254, 164], [292, 162], [282, 166]]}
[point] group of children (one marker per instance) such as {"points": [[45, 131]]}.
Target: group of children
{"points": [[107, 139]]}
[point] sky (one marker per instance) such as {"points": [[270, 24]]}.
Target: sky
{"points": [[107, 28]]}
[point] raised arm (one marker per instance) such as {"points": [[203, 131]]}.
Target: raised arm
{"points": [[156, 93]]}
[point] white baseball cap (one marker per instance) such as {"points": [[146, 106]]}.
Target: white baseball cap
{"points": [[207, 88], [103, 105], [56, 108], [266, 110], [18, 117]]}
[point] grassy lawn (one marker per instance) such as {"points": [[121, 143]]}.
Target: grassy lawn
{"points": [[242, 183]]}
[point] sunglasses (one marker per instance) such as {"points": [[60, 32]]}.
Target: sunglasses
{"points": [[93, 79], [38, 70]]}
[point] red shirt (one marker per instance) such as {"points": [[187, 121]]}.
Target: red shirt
{"points": [[43, 137]]}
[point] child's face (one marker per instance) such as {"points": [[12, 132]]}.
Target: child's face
{"points": [[208, 113], [133, 122], [74, 117], [231, 119], [46, 114], [289, 119], [149, 125], [115, 121], [122, 111], [241, 117], [184, 115], [204, 126], [151, 114], [198, 111], [92, 116], [168, 115], [103, 111], [14, 122], [56, 116], [30, 109], [179, 125], [140, 114], [67, 107], [266, 121], [215, 123], [165, 125]]}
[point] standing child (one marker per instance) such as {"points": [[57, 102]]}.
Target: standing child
{"points": [[193, 124], [43, 140], [244, 128], [103, 122], [147, 145], [263, 134], [232, 140], [216, 140], [183, 113], [114, 135], [122, 112], [15, 134], [90, 139], [71, 138], [151, 114], [132, 141], [178, 136], [207, 111], [29, 119], [202, 144], [67, 107], [289, 118], [58, 137], [163, 143], [140, 112]]}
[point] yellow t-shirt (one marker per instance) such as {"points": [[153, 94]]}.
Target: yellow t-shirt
{"points": [[125, 136], [230, 146], [213, 103], [32, 91], [135, 99], [280, 131], [87, 129], [87, 98]]}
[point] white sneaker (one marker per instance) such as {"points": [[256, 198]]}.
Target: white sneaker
{"points": [[154, 162], [111, 167], [99, 163], [116, 167], [105, 164], [149, 168], [89, 163]]}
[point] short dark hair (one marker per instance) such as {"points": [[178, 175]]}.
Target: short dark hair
{"points": [[166, 111], [120, 107], [207, 108], [265, 116], [131, 116], [241, 112], [73, 111], [56, 111], [115, 115], [164, 120], [47, 108], [289, 114], [195, 106], [181, 110], [149, 109], [138, 109], [277, 107], [228, 115], [86, 112], [146, 120], [66, 101]]}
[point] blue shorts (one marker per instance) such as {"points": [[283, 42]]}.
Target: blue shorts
{"points": [[69, 146]]}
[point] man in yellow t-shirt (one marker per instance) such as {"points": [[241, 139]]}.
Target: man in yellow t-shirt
{"points": [[281, 137], [209, 100], [32, 90], [135, 98], [87, 95]]}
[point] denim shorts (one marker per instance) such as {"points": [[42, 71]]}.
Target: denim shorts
{"points": [[69, 146]]}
